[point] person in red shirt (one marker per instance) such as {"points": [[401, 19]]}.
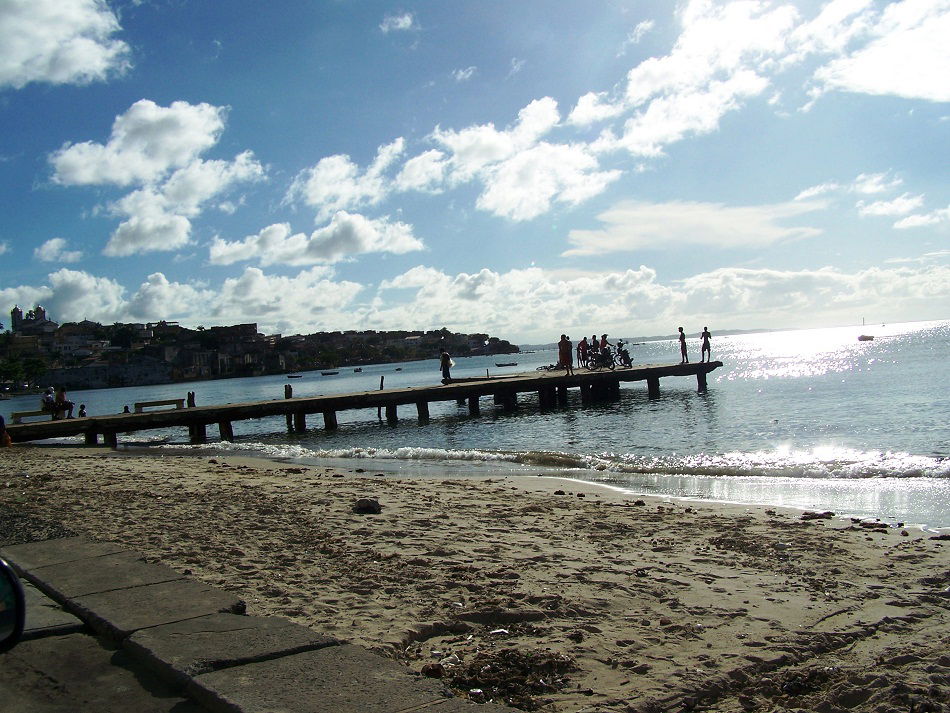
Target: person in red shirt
{"points": [[565, 354]]}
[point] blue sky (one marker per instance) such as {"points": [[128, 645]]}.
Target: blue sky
{"points": [[523, 168]]}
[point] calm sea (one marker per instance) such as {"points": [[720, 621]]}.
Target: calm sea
{"points": [[808, 418]]}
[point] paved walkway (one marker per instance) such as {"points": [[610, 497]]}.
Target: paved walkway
{"points": [[107, 631]]}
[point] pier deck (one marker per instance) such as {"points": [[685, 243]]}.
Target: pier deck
{"points": [[551, 387]]}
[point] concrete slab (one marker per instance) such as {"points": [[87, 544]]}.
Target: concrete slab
{"points": [[65, 549], [342, 679], [67, 580], [65, 674], [44, 617], [118, 613], [185, 649]]}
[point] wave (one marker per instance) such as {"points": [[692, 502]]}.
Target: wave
{"points": [[826, 463]]}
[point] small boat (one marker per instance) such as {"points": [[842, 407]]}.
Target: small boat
{"points": [[294, 376], [357, 369], [398, 368], [506, 363], [329, 373], [866, 338]]}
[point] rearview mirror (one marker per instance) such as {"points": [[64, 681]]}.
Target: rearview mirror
{"points": [[12, 607]]}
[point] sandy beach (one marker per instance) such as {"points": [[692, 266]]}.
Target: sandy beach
{"points": [[546, 593]]}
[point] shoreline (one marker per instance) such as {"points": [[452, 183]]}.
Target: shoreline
{"points": [[632, 603]]}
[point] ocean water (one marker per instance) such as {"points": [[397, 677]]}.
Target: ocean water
{"points": [[813, 419]]}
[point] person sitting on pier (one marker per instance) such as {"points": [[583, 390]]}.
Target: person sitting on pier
{"points": [[63, 405], [594, 348], [48, 402], [82, 410]]}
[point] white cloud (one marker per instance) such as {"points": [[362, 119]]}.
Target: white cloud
{"points": [[636, 35], [631, 226], [150, 226], [335, 182], [75, 294], [475, 148], [908, 54], [525, 185], [463, 75], [345, 237], [307, 302], [54, 250], [157, 148], [158, 298], [515, 67], [425, 172], [398, 23], [898, 206], [146, 142], [3, 248], [924, 220], [818, 190], [58, 41], [870, 183]]}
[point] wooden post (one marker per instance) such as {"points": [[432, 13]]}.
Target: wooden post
{"points": [[562, 395], [225, 431], [289, 394], [300, 421], [653, 387], [191, 399], [615, 389], [510, 401], [197, 433], [473, 406], [547, 397], [701, 380], [460, 402], [110, 439], [422, 408], [379, 409], [498, 398], [329, 420], [92, 438], [586, 394], [391, 416]]}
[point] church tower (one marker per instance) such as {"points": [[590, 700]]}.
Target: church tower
{"points": [[16, 318]]}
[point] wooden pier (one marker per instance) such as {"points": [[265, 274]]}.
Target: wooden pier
{"points": [[551, 387]]}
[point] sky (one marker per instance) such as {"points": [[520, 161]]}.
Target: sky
{"points": [[524, 168]]}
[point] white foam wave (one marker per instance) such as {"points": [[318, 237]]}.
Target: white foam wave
{"points": [[826, 462]]}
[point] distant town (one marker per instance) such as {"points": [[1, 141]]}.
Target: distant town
{"points": [[88, 355]]}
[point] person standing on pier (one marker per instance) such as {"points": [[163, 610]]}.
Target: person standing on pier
{"points": [[565, 351], [445, 364], [684, 358], [582, 352], [706, 351]]}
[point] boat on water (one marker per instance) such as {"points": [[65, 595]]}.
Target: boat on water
{"points": [[506, 363], [358, 369], [866, 338], [329, 373], [294, 376]]}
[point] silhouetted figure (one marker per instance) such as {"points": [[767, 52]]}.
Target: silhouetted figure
{"points": [[684, 358], [445, 364], [705, 351], [582, 352], [125, 409], [565, 354], [63, 405], [82, 410]]}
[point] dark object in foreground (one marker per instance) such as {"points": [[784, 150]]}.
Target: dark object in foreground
{"points": [[514, 676], [367, 506]]}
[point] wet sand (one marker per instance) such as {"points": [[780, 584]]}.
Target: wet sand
{"points": [[555, 595]]}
